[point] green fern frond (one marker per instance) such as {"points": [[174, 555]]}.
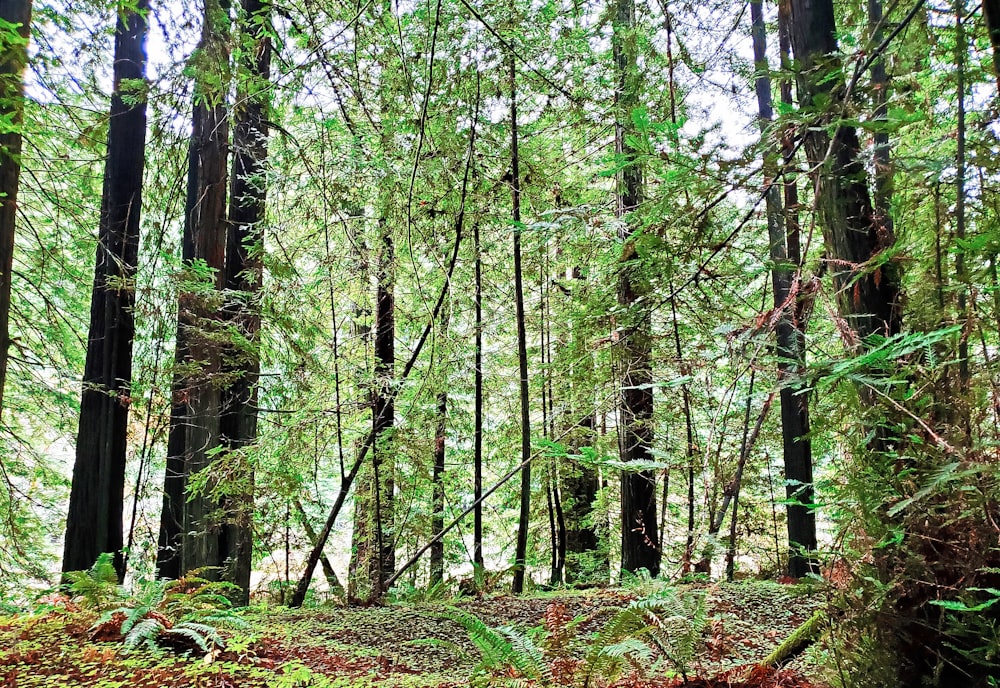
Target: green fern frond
{"points": [[629, 648], [492, 645], [525, 655], [502, 648], [97, 587], [203, 642], [144, 633]]}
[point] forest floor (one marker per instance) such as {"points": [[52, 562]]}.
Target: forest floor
{"points": [[418, 644]]}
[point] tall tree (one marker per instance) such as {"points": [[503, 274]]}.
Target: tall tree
{"points": [[244, 271], [94, 521], [789, 330], [640, 542], [477, 433], [867, 293], [191, 528], [580, 483], [13, 59], [438, 469], [521, 551]]}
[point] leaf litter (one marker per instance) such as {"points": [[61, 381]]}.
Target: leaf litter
{"points": [[401, 645]]}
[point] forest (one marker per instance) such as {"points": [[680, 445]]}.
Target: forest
{"points": [[617, 316]]}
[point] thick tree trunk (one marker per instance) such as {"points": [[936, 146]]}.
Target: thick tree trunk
{"points": [[13, 60], [584, 561], [867, 294], [247, 206], [374, 550], [579, 483], [94, 521], [640, 542], [384, 412], [197, 396]]}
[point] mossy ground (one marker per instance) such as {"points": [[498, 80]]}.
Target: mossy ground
{"points": [[399, 645]]}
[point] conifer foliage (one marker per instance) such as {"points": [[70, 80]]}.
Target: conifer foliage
{"points": [[415, 290]]}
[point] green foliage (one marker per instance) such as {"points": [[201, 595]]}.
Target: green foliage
{"points": [[671, 621], [97, 587], [405, 592], [501, 649], [669, 625], [185, 614]]}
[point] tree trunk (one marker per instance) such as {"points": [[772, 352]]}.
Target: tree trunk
{"points": [[640, 543], [789, 333], [867, 295], [477, 433], [521, 552], [244, 247], [374, 550], [991, 11], [961, 275], [197, 398], [579, 483], [13, 60], [437, 478], [94, 521]]}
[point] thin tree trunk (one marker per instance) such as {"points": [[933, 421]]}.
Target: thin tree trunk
{"points": [[555, 576], [96, 504], [789, 332], [732, 493], [437, 477], [557, 519], [13, 60], [477, 433], [521, 551], [961, 55], [328, 571], [690, 450]]}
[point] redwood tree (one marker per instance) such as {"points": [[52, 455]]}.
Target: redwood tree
{"points": [[247, 205], [788, 297], [640, 543], [13, 59], [94, 522], [190, 530]]}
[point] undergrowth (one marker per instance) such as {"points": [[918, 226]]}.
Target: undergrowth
{"points": [[181, 615], [658, 633]]}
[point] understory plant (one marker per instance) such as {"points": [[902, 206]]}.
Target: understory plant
{"points": [[183, 615], [662, 630]]}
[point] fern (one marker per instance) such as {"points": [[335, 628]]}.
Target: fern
{"points": [[184, 614], [204, 636], [672, 623], [97, 587], [526, 657], [501, 648], [144, 633]]}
